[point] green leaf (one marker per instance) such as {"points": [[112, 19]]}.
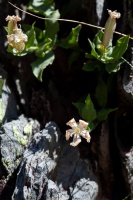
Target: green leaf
{"points": [[79, 106], [93, 51], [107, 55], [113, 67], [101, 93], [1, 85], [120, 48], [15, 52], [41, 63], [38, 32], [52, 26], [88, 111], [6, 29], [47, 8], [98, 50], [43, 7], [91, 65], [103, 113], [87, 55], [31, 45], [98, 38], [43, 48], [72, 39], [94, 124]]}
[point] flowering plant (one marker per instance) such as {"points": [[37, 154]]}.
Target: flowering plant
{"points": [[77, 130], [16, 38]]}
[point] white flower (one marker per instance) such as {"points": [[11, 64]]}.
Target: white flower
{"points": [[77, 130], [12, 23], [13, 18], [17, 39]]}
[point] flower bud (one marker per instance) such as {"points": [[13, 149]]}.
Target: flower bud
{"points": [[110, 27], [12, 23]]}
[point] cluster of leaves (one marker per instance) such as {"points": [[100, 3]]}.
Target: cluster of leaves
{"points": [[43, 42], [101, 59], [110, 57], [105, 61]]}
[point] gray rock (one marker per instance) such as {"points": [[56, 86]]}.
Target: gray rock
{"points": [[39, 161], [54, 192], [52, 169], [85, 189], [129, 168], [75, 175], [9, 106], [14, 140]]}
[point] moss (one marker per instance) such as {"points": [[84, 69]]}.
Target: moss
{"points": [[28, 128], [21, 140]]}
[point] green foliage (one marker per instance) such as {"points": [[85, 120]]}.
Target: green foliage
{"points": [[86, 109], [43, 7], [103, 113], [109, 56], [41, 63], [89, 113], [32, 43], [42, 42], [101, 60], [72, 39], [104, 61]]}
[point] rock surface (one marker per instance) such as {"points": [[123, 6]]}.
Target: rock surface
{"points": [[50, 169]]}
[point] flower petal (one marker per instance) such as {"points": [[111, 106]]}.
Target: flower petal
{"points": [[13, 18], [72, 123], [85, 134], [76, 140], [83, 124], [10, 37], [19, 46], [114, 14], [69, 133], [88, 137]]}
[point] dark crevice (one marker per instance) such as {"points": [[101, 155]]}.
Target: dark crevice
{"points": [[119, 187]]}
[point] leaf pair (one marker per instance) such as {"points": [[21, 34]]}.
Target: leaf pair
{"points": [[88, 112], [111, 56]]}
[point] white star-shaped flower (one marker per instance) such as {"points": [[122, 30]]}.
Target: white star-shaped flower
{"points": [[77, 130]]}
